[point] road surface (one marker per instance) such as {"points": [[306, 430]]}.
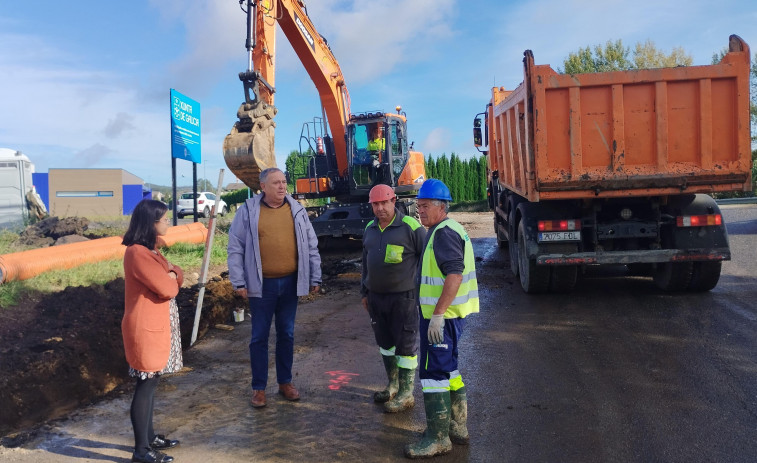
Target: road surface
{"points": [[614, 371]]}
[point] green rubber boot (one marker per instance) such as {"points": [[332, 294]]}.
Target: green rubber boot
{"points": [[390, 364], [404, 398], [458, 431], [435, 440]]}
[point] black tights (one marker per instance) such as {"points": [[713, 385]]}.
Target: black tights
{"points": [[141, 414]]}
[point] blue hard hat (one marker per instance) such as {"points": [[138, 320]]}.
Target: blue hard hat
{"points": [[434, 189]]}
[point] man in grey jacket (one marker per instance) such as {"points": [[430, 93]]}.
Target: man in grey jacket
{"points": [[273, 258]]}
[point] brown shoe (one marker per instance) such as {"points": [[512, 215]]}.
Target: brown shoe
{"points": [[289, 391], [258, 399]]}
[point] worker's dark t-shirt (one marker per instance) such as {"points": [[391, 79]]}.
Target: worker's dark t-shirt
{"points": [[449, 250]]}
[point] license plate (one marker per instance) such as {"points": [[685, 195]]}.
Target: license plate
{"points": [[560, 236]]}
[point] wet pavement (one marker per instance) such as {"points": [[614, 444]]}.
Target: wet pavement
{"points": [[614, 371]]}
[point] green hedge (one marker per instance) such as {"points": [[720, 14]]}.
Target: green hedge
{"points": [[236, 197]]}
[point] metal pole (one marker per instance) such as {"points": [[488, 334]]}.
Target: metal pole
{"points": [[173, 196], [194, 186], [250, 32], [206, 259]]}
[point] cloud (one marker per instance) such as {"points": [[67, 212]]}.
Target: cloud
{"points": [[372, 39], [437, 142], [215, 39], [92, 155], [121, 123]]}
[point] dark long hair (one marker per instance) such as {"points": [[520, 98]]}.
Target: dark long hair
{"points": [[142, 225]]}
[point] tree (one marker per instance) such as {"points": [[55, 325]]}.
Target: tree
{"points": [[482, 175], [466, 179], [443, 169], [647, 55], [613, 56], [295, 166], [430, 167]]}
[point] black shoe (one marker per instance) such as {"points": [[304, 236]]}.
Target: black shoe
{"points": [[161, 442], [153, 456]]}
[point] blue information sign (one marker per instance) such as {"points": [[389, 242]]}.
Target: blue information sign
{"points": [[185, 128]]}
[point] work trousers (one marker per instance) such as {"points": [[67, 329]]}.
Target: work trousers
{"points": [[394, 319], [438, 362]]}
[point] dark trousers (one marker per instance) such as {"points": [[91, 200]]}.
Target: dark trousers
{"points": [[394, 319], [279, 300]]}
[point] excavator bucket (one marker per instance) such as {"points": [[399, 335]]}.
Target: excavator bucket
{"points": [[249, 149]]}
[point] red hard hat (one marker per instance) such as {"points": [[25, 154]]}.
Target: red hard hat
{"points": [[380, 192]]}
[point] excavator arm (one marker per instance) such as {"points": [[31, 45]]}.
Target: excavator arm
{"points": [[249, 148]]}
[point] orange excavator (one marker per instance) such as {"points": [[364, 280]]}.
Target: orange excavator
{"points": [[342, 155]]}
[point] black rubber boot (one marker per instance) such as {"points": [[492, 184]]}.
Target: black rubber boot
{"points": [[390, 364]]}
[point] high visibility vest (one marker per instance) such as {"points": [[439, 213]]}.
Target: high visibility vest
{"points": [[432, 279], [376, 145]]}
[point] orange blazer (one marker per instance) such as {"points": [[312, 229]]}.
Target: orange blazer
{"points": [[146, 326]]}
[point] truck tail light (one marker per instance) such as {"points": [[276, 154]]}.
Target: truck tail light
{"points": [[559, 225], [699, 220]]}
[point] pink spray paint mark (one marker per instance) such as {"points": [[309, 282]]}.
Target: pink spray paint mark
{"points": [[339, 378]]}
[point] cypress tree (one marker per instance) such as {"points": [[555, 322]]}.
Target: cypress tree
{"points": [[430, 167]]}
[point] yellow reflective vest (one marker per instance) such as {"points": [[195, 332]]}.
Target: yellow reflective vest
{"points": [[377, 145], [432, 278]]}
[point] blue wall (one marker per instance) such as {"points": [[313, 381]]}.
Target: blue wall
{"points": [[42, 185], [132, 196]]}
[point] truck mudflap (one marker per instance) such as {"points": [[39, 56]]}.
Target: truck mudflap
{"points": [[635, 257]]}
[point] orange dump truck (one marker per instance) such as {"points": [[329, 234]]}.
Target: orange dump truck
{"points": [[615, 168]]}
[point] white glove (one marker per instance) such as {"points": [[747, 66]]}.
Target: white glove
{"points": [[436, 329]]}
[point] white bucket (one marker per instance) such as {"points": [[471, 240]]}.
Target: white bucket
{"points": [[239, 315]]}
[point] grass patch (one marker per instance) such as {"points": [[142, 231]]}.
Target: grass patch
{"points": [[186, 256], [189, 256], [470, 206]]}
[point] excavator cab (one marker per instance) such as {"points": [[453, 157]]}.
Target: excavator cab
{"points": [[377, 150]]}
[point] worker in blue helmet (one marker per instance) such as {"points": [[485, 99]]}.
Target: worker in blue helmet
{"points": [[448, 293]]}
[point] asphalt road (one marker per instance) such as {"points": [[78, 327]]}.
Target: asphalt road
{"points": [[615, 371]]}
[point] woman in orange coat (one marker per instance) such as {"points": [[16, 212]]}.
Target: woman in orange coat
{"points": [[150, 327]]}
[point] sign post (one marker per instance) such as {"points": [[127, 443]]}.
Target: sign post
{"points": [[185, 139]]}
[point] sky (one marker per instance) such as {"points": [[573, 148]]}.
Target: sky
{"points": [[85, 84]]}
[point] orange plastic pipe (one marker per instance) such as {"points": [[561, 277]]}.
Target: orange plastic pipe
{"points": [[27, 264]]}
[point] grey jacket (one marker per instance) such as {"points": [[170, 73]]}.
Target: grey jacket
{"points": [[244, 249]]}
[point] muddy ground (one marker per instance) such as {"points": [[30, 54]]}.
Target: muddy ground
{"points": [[61, 351]]}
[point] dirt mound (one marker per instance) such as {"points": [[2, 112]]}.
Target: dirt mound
{"points": [[65, 349], [45, 232]]}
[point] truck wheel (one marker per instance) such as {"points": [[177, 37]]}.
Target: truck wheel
{"points": [[673, 276], [501, 241], [512, 244], [534, 279], [705, 276], [563, 277]]}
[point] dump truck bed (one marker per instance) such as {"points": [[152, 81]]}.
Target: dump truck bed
{"points": [[625, 133]]}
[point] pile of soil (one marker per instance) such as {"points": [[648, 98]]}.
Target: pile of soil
{"points": [[53, 230], [63, 350]]}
